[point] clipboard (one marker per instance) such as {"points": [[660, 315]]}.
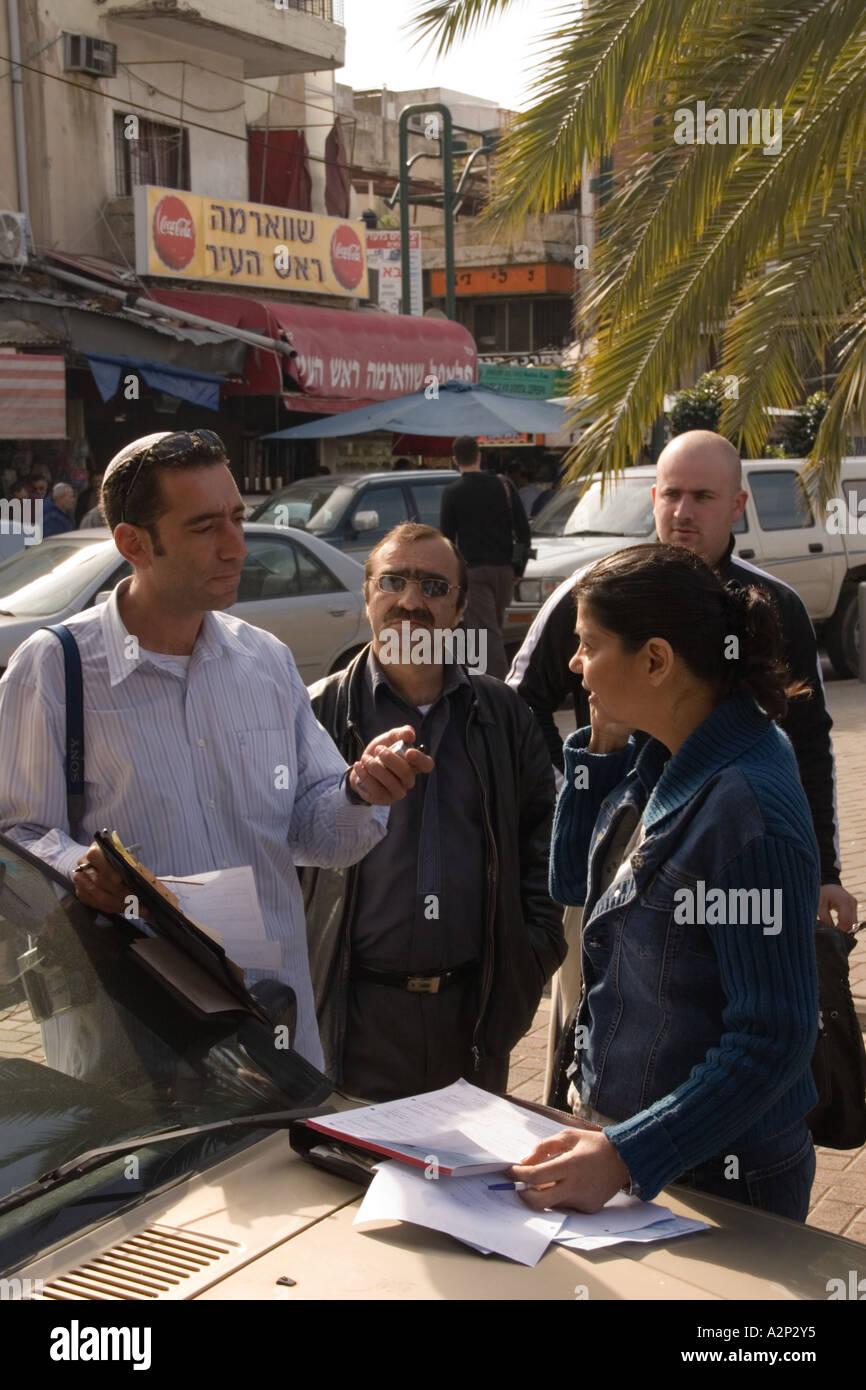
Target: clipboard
{"points": [[193, 950]]}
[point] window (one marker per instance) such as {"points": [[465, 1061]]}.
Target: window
{"points": [[270, 570], [551, 323], [388, 503], [519, 329], [159, 155], [854, 493], [428, 501], [780, 500], [313, 576]]}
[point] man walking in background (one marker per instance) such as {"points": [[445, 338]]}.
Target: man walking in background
{"points": [[483, 516]]}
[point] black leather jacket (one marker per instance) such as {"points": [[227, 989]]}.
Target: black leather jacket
{"points": [[524, 939]]}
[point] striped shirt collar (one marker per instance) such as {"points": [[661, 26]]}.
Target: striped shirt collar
{"points": [[215, 638]]}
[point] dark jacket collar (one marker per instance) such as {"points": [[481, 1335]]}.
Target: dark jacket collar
{"points": [[349, 702]]}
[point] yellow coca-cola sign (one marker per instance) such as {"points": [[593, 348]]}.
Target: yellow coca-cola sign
{"points": [[192, 237]]}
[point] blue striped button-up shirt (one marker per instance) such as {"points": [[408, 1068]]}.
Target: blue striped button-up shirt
{"points": [[226, 767]]}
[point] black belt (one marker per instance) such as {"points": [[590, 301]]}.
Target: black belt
{"points": [[416, 984]]}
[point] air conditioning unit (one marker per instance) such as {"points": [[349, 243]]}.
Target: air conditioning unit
{"points": [[13, 238], [81, 53]]}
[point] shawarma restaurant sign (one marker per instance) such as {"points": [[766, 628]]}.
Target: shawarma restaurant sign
{"points": [[187, 236]]}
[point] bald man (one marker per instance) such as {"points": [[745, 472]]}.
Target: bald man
{"points": [[697, 498]]}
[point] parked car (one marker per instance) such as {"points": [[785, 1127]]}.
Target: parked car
{"points": [[354, 511], [292, 584], [98, 1053], [779, 532]]}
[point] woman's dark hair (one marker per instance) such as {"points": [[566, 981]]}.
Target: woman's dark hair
{"points": [[727, 635]]}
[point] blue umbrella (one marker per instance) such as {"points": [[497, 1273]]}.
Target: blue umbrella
{"points": [[459, 407]]}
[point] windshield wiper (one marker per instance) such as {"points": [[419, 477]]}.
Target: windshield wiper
{"points": [[98, 1158]]}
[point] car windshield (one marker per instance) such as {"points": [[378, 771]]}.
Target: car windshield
{"points": [[625, 510], [95, 1049], [45, 578], [313, 504]]}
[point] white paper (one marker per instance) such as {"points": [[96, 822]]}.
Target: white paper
{"points": [[225, 903], [621, 1213], [464, 1207], [666, 1229], [460, 1125]]}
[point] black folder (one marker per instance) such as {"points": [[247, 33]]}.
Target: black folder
{"points": [[191, 965]]}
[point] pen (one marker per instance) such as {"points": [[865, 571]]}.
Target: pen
{"points": [[507, 1186]]}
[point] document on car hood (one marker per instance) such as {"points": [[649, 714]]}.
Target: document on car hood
{"points": [[624, 1219], [467, 1209], [225, 904], [460, 1128]]}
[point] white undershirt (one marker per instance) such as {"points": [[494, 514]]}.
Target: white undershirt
{"points": [[168, 661]]}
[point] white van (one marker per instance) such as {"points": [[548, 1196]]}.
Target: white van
{"points": [[823, 557]]}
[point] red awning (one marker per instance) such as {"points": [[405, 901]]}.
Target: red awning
{"points": [[345, 358]]}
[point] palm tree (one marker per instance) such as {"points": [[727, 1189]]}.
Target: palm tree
{"points": [[757, 245]]}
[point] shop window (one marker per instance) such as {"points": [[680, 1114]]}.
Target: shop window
{"points": [[552, 323], [158, 155], [519, 325]]}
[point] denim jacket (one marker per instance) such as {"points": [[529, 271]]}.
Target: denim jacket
{"points": [[700, 1008]]}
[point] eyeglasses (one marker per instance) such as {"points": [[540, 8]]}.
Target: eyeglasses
{"points": [[430, 588], [174, 446]]}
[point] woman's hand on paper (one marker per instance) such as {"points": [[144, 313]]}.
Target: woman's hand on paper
{"points": [[578, 1169]]}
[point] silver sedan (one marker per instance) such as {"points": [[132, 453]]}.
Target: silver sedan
{"points": [[301, 589]]}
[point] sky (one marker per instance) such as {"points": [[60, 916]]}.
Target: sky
{"points": [[491, 63]]}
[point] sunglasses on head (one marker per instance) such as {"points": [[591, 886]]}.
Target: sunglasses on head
{"points": [[430, 588], [175, 446]]}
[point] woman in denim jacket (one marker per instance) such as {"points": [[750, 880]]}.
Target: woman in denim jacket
{"points": [[694, 854]]}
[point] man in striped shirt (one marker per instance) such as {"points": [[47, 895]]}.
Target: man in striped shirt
{"points": [[200, 742]]}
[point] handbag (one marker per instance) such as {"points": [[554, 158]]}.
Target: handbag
{"points": [[839, 1060], [520, 550]]}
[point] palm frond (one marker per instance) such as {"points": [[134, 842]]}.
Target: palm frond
{"points": [[788, 314], [448, 21], [847, 407]]}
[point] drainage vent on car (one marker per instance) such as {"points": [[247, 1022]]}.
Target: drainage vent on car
{"points": [[158, 1262]]}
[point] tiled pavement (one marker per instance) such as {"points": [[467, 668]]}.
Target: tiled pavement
{"points": [[839, 1192]]}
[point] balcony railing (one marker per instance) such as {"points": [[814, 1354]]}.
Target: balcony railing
{"points": [[331, 10]]}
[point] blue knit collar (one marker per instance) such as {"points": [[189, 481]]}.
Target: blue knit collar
{"points": [[734, 727]]}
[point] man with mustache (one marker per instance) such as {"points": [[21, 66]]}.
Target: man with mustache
{"points": [[430, 956]]}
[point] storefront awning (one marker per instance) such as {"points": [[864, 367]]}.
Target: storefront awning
{"points": [[345, 359], [200, 388], [32, 396]]}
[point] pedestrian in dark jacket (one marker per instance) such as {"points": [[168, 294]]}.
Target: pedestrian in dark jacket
{"points": [[698, 496], [694, 854], [483, 515], [429, 958]]}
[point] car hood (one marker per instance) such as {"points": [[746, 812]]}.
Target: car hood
{"points": [[560, 556], [14, 631]]}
